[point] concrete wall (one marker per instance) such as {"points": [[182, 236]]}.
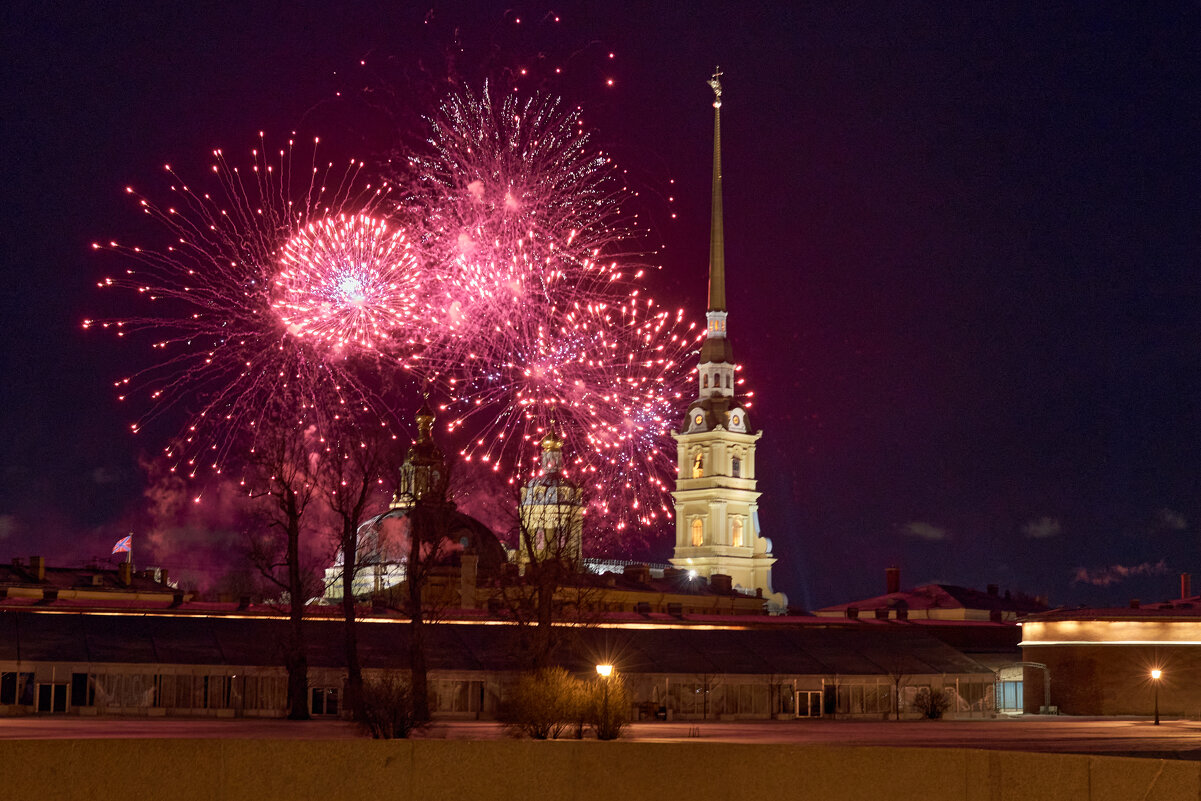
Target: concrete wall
{"points": [[1115, 679], [424, 770]]}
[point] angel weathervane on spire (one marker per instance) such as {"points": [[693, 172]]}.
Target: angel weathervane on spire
{"points": [[715, 83]]}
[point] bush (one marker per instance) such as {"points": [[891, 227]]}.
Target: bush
{"points": [[542, 704], [388, 708], [609, 716], [931, 703]]}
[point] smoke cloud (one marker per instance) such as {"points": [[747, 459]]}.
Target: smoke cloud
{"points": [[1115, 574]]}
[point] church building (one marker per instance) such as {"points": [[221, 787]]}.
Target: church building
{"points": [[716, 501]]}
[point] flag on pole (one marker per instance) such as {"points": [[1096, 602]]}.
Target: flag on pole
{"points": [[124, 545]]}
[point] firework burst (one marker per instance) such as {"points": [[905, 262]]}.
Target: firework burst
{"points": [[231, 326], [537, 315], [347, 281]]}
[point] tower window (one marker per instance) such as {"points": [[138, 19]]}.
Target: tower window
{"points": [[698, 533], [705, 381], [727, 381], [736, 534], [736, 467], [698, 466]]}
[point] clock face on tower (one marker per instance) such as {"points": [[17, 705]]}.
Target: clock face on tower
{"points": [[699, 419]]}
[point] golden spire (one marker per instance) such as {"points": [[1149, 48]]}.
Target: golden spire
{"points": [[717, 258]]}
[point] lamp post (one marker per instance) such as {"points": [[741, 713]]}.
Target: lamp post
{"points": [[1155, 674], [604, 671]]}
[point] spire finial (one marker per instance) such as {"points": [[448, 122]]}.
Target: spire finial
{"points": [[715, 83]]}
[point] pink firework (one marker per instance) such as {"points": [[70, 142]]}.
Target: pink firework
{"points": [[211, 302], [347, 281], [537, 316]]}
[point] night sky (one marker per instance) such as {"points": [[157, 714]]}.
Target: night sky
{"points": [[962, 245]]}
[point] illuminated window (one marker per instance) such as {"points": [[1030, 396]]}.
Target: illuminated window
{"points": [[705, 381], [736, 465], [736, 534], [698, 466], [698, 533]]}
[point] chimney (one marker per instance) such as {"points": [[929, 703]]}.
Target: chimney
{"points": [[125, 573], [640, 574], [852, 613], [721, 583], [243, 603], [37, 566], [1134, 603], [469, 566], [162, 576], [1186, 586], [993, 589], [176, 599], [892, 580]]}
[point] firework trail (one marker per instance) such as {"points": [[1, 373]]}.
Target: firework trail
{"points": [[536, 316], [264, 284]]}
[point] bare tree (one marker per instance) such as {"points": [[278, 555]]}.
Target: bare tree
{"points": [[283, 468], [549, 584], [351, 478]]}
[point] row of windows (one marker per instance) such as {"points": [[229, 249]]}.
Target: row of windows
{"points": [[149, 690], [702, 696], [716, 380], [698, 465], [698, 532]]}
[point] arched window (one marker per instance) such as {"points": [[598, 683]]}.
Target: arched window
{"points": [[736, 534], [698, 533], [705, 381], [727, 380], [736, 467], [698, 466]]}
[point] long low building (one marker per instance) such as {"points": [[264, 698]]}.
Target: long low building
{"points": [[1115, 661], [228, 663]]}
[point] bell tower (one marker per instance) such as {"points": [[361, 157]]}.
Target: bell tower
{"points": [[716, 500]]}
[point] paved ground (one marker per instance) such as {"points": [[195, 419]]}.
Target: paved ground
{"points": [[1126, 737]]}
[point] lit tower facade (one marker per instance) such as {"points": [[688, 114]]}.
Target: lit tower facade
{"points": [[716, 503]]}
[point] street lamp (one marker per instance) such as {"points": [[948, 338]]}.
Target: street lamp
{"points": [[604, 671], [1155, 674]]}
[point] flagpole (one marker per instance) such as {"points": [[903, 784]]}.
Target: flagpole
{"points": [[129, 553]]}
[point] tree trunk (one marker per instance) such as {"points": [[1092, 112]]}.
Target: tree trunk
{"points": [[419, 520], [354, 670], [297, 660]]}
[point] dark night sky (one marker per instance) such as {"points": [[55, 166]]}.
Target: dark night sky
{"points": [[962, 246]]}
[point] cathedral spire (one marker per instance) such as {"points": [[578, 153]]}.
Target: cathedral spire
{"points": [[716, 349], [717, 256], [716, 239]]}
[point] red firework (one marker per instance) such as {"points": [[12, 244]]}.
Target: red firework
{"points": [[225, 349]]}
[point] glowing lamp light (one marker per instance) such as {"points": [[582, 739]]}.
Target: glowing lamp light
{"points": [[1156, 673], [604, 671]]}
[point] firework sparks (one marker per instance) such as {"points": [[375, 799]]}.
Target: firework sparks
{"points": [[537, 316], [347, 280], [226, 344]]}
